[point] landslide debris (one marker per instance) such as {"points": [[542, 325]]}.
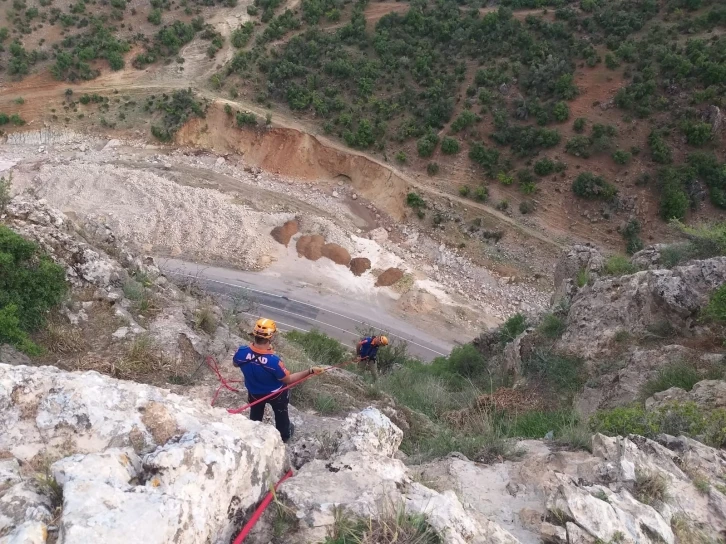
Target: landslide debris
{"points": [[284, 233], [359, 265], [389, 277], [336, 253]]}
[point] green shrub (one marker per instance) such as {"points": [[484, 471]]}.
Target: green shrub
{"points": [[512, 327], [154, 16], [30, 285], [621, 421], [401, 157], [467, 361], [621, 157], [414, 200], [5, 197], [465, 119], [579, 146], [697, 133], [481, 193], [321, 348], [544, 167], [619, 265], [674, 201], [526, 207], [464, 190], [579, 124], [432, 168], [246, 118], [611, 62], [674, 419], [588, 185], [659, 150], [449, 146], [678, 374], [427, 144], [716, 309], [552, 326], [563, 372], [561, 111], [534, 423]]}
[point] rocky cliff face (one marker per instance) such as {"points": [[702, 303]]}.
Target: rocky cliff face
{"points": [[125, 461]]}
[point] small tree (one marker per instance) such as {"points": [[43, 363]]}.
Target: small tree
{"points": [[588, 185], [449, 146], [561, 111], [621, 157]]}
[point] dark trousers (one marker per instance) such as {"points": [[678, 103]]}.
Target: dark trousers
{"points": [[279, 407]]}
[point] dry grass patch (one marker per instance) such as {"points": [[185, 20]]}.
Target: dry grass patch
{"points": [[142, 359], [63, 338], [651, 487]]}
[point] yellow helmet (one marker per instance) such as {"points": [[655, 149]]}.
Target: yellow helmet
{"points": [[383, 340], [265, 328]]}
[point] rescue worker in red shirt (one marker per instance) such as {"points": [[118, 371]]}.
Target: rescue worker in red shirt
{"points": [[367, 350], [265, 373]]}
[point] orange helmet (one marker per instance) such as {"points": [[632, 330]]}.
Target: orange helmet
{"points": [[265, 328], [383, 340]]}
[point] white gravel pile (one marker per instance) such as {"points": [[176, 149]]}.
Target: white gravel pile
{"points": [[148, 209]]}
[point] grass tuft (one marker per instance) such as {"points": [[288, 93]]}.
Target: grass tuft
{"points": [[678, 374], [651, 487], [552, 326], [391, 525], [320, 347]]}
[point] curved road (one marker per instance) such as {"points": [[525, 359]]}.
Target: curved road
{"points": [[295, 305]]}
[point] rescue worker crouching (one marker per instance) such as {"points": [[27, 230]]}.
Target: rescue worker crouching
{"points": [[367, 350], [264, 373]]}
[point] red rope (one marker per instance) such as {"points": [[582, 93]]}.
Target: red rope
{"points": [[260, 509], [275, 393], [223, 382]]}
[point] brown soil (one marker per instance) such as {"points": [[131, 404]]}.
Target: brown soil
{"points": [[310, 246], [336, 253], [359, 265], [300, 156], [285, 232], [389, 277]]}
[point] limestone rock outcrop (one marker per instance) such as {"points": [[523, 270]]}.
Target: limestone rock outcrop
{"points": [[134, 463]]}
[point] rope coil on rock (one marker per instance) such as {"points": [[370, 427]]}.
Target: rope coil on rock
{"points": [[211, 362]]}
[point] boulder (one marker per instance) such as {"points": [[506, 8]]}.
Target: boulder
{"points": [[369, 431], [649, 257], [136, 456]]}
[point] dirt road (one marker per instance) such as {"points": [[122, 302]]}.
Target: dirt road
{"points": [[299, 306]]}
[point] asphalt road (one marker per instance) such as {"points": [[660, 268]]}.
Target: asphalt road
{"points": [[298, 306]]}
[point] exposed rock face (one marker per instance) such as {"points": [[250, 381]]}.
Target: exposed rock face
{"points": [[708, 394], [633, 303], [183, 472], [572, 261], [362, 477], [587, 497], [649, 257]]}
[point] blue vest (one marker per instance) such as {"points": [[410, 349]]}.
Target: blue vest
{"points": [[367, 349], [262, 370]]}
